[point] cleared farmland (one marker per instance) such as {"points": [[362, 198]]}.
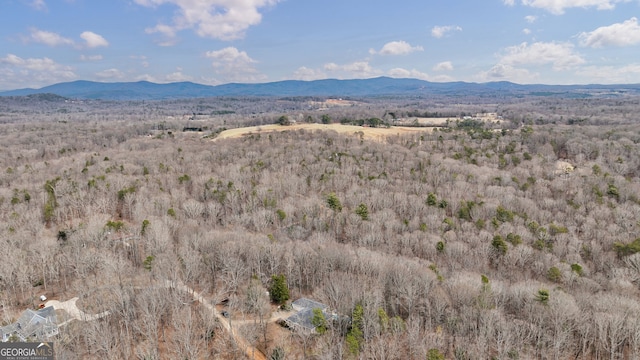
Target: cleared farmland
{"points": [[363, 132]]}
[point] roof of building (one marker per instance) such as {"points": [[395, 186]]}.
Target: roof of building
{"points": [[302, 319], [31, 324], [304, 303]]}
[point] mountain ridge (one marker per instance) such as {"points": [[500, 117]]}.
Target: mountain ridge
{"points": [[380, 86]]}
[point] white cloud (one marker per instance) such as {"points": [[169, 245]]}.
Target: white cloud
{"points": [[20, 72], [515, 61], [361, 69], [502, 72], [405, 74], [232, 65], [331, 66], [444, 66], [229, 55], [626, 33], [611, 74], [530, 19], [142, 58], [509, 2], [358, 69], [397, 48], [526, 31], [93, 40], [441, 31], [110, 74], [558, 7], [168, 32], [44, 64], [146, 77], [178, 76], [48, 38], [305, 73], [90, 57], [216, 19], [38, 5], [560, 55]]}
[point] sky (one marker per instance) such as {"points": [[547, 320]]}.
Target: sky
{"points": [[43, 42]]}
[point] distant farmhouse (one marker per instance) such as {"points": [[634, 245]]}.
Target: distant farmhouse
{"points": [[32, 325], [301, 320]]}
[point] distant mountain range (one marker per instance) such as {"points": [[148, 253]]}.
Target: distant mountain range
{"points": [[381, 86]]}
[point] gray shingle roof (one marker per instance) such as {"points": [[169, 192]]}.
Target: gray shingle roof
{"points": [[304, 303], [39, 325], [301, 320]]}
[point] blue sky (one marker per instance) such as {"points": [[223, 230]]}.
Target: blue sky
{"points": [[43, 42]]}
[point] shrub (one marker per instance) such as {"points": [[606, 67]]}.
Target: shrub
{"points": [[464, 212], [554, 274], [557, 229], [145, 225], [148, 263], [613, 192], [514, 239], [576, 268], [363, 211], [334, 203], [184, 178], [435, 354], [431, 199], [114, 225], [123, 192], [448, 224], [499, 245], [443, 204], [504, 215], [542, 296], [623, 249], [284, 120]]}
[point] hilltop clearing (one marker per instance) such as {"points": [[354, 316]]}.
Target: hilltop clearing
{"points": [[359, 131]]}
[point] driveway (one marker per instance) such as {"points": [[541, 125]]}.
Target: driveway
{"points": [[74, 312]]}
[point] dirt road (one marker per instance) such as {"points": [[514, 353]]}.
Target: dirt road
{"points": [[249, 350], [75, 313]]}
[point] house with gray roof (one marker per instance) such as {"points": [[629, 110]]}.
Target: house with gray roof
{"points": [[301, 320], [32, 325]]}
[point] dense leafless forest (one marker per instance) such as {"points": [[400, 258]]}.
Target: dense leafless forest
{"points": [[472, 241]]}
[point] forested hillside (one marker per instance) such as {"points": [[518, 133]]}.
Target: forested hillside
{"points": [[464, 242]]}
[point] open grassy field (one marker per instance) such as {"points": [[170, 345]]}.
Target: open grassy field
{"points": [[364, 132]]}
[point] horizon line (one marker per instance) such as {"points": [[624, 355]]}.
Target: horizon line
{"points": [[316, 80]]}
